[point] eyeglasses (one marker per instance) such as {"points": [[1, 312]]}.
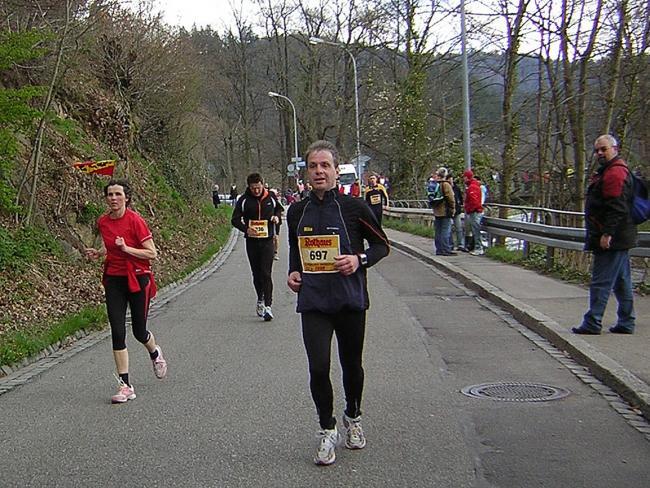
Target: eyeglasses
{"points": [[601, 149]]}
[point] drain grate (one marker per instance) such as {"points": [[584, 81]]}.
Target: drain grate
{"points": [[515, 392]]}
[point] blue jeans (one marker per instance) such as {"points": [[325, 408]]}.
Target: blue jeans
{"points": [[474, 221], [460, 232], [610, 271], [442, 226]]}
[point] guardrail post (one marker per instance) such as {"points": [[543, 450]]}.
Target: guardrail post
{"points": [[526, 249], [550, 256]]}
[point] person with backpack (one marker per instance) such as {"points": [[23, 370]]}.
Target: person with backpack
{"points": [[611, 233], [444, 207]]}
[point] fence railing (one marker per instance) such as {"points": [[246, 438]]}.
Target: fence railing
{"points": [[529, 224]]}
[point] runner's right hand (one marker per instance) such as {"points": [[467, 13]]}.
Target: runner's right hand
{"points": [[294, 281]]}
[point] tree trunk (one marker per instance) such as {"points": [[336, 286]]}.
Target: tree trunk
{"points": [[509, 116], [615, 67], [37, 154]]}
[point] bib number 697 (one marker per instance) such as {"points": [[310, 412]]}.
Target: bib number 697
{"points": [[317, 255]]}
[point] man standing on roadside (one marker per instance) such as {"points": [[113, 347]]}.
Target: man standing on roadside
{"points": [[473, 209], [327, 268], [457, 221], [256, 214], [443, 211], [611, 233]]}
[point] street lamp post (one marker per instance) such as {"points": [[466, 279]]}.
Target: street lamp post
{"points": [[467, 148], [295, 124], [318, 40]]}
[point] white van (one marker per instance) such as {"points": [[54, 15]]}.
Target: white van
{"points": [[347, 176]]}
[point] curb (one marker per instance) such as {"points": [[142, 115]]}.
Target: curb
{"points": [[20, 373], [625, 383]]}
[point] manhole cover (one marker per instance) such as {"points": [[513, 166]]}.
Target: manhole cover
{"points": [[515, 392]]}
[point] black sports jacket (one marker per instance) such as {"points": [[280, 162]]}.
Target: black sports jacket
{"points": [[351, 219]]}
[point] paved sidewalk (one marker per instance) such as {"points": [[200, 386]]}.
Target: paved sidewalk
{"points": [[551, 307]]}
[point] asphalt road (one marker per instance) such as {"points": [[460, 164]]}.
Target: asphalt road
{"points": [[235, 409]]}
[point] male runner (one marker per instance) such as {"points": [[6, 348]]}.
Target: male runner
{"points": [[327, 268], [256, 214]]}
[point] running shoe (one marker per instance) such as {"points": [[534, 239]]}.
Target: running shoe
{"points": [[260, 308], [276, 257], [124, 393], [159, 365], [354, 438], [268, 314], [477, 252], [327, 442]]}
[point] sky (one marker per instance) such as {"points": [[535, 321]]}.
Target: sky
{"points": [[217, 13]]}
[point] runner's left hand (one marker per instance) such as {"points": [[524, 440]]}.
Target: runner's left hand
{"points": [[346, 264]]}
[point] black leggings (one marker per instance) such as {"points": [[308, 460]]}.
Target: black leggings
{"points": [[317, 330], [260, 257], [117, 297]]}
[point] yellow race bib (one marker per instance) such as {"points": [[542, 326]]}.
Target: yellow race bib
{"points": [[375, 199], [317, 253], [262, 228]]}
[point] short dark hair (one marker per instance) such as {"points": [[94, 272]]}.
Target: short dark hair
{"points": [[323, 146], [126, 186], [254, 178]]}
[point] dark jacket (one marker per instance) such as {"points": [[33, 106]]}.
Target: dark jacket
{"points": [[607, 207], [249, 207], [458, 197], [353, 222]]}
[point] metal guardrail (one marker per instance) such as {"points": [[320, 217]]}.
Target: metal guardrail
{"points": [[551, 236]]}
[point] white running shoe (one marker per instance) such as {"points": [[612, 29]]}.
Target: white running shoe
{"points": [[260, 308], [328, 439], [268, 314], [354, 438], [477, 252], [159, 365]]}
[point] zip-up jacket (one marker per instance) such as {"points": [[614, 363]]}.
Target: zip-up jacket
{"points": [[447, 206], [249, 207], [351, 219], [473, 197], [607, 207]]}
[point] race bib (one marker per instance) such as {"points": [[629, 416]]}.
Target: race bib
{"points": [[262, 228], [317, 253], [375, 199]]}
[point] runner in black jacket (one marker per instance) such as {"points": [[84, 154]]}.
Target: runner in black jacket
{"points": [[256, 214], [327, 268]]}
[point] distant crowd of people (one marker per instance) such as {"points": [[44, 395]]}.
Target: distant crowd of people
{"points": [[449, 204]]}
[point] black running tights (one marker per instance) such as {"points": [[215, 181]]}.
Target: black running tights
{"points": [[260, 257], [317, 331], [118, 297]]}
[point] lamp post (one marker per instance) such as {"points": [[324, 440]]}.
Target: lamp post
{"points": [[295, 124], [318, 40], [467, 149]]}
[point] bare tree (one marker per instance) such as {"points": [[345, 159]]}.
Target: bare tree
{"points": [[514, 25], [576, 53]]}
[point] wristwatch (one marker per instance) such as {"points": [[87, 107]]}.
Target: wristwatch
{"points": [[363, 259]]}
